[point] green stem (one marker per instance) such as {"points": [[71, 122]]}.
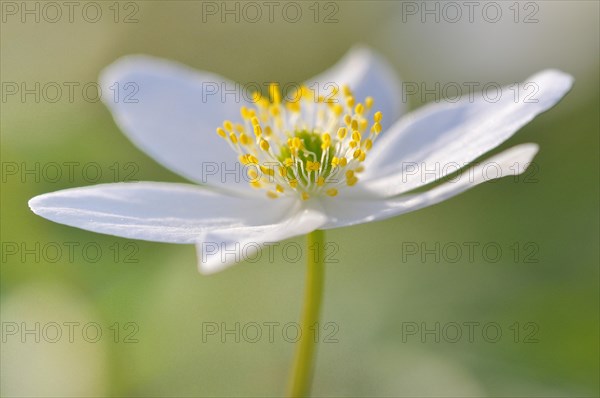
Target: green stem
{"points": [[302, 369]]}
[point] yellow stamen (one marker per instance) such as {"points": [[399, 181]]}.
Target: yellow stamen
{"points": [[244, 139], [264, 145], [274, 93], [312, 166], [304, 141], [359, 109]]}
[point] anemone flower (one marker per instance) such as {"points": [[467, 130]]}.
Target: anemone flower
{"points": [[331, 153]]}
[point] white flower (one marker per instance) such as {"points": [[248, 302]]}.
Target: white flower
{"points": [[313, 163]]}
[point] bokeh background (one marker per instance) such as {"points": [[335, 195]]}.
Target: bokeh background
{"points": [[373, 292]]}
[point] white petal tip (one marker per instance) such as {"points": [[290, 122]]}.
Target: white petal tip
{"points": [[209, 261], [211, 258], [559, 76], [524, 153], [36, 204], [556, 80]]}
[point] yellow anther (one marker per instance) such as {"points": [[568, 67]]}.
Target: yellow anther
{"points": [[239, 128], [368, 144], [268, 131], [256, 97], [293, 106], [335, 162], [312, 166], [296, 143], [349, 174], [343, 162], [338, 109], [305, 92], [354, 124], [363, 124], [262, 103], [352, 181], [253, 174], [377, 117], [275, 110], [244, 139], [257, 131], [244, 112], [332, 192], [341, 133], [279, 188], [346, 90], [359, 169], [293, 183], [369, 102], [359, 109], [288, 162], [274, 93], [255, 184], [376, 127], [267, 170], [350, 102], [272, 195], [255, 121], [357, 153], [233, 138], [362, 156], [252, 159], [228, 125], [356, 136], [347, 119], [243, 159], [221, 132], [353, 144], [326, 137], [264, 145], [320, 181], [305, 196]]}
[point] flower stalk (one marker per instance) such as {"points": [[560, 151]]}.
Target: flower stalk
{"points": [[302, 370]]}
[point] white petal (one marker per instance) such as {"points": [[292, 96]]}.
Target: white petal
{"points": [[168, 111], [367, 74], [441, 138], [218, 249], [162, 212], [510, 162]]}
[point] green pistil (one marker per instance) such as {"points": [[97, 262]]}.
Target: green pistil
{"points": [[312, 142]]}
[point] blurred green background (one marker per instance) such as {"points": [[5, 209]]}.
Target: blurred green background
{"points": [[372, 293]]}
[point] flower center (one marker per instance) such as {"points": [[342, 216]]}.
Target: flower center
{"points": [[307, 146]]}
